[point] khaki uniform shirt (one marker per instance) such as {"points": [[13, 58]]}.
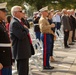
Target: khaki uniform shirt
{"points": [[45, 27]]}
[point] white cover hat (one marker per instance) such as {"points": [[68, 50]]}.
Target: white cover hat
{"points": [[44, 9], [35, 12], [3, 5]]}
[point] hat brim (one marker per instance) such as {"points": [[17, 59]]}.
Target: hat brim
{"points": [[44, 11], [4, 10]]}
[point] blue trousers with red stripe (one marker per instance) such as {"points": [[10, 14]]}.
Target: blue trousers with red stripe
{"points": [[46, 39], [52, 45], [6, 71]]}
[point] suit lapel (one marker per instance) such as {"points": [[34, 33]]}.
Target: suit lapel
{"points": [[19, 23]]}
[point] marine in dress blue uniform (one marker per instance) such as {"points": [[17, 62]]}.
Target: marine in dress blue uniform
{"points": [[45, 29], [5, 45]]}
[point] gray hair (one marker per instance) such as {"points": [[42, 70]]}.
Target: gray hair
{"points": [[14, 9]]}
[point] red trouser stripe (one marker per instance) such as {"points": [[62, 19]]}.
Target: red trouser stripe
{"points": [[44, 56]]}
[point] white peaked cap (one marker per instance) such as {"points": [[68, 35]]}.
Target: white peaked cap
{"points": [[44, 9], [3, 5], [36, 12]]}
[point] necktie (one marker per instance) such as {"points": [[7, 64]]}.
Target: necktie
{"points": [[22, 23], [27, 34]]}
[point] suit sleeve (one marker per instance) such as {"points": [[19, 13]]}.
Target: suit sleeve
{"points": [[64, 22]]}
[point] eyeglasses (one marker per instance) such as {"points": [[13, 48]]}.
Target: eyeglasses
{"points": [[19, 11]]}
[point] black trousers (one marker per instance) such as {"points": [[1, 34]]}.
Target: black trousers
{"points": [[52, 45], [23, 66], [73, 35], [66, 35]]}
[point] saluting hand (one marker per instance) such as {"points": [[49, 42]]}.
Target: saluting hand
{"points": [[52, 25], [25, 26], [66, 30], [1, 66]]}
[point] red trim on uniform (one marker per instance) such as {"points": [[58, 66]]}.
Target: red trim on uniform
{"points": [[0, 72], [44, 50]]}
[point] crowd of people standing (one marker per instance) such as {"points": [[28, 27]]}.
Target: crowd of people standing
{"points": [[15, 40]]}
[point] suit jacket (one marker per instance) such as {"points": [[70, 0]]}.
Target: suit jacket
{"points": [[36, 27], [73, 22], [25, 22], [70, 21], [5, 52], [20, 42], [65, 22]]}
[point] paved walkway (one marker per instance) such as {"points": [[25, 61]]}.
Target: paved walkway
{"points": [[65, 63]]}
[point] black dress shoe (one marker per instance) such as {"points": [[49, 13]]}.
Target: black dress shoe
{"points": [[67, 47], [48, 68], [71, 43]]}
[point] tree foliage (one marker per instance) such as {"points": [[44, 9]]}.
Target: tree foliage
{"points": [[37, 4], [60, 5]]}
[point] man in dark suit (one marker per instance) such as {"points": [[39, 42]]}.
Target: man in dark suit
{"points": [[73, 19], [5, 45], [71, 31], [20, 41], [66, 27], [36, 18]]}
